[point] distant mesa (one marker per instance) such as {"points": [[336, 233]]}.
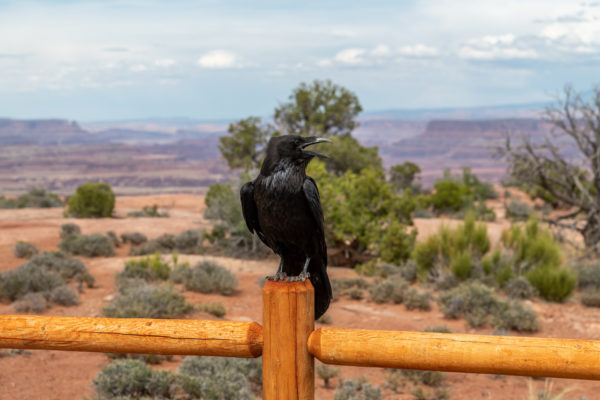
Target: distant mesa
{"points": [[42, 132], [483, 128]]}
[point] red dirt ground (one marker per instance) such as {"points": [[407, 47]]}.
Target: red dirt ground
{"points": [[68, 375]]}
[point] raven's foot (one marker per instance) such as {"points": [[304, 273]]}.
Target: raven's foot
{"points": [[302, 277], [279, 276]]}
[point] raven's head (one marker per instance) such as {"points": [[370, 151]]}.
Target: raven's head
{"points": [[291, 150]]}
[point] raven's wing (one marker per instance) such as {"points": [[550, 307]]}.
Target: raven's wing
{"points": [[249, 209], [318, 263], [314, 200]]}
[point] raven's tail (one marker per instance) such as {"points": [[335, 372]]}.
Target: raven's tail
{"points": [[320, 281]]}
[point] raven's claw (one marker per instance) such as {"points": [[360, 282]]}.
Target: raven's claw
{"points": [[279, 276], [303, 276]]}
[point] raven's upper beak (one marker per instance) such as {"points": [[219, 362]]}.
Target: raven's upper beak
{"points": [[314, 140]]}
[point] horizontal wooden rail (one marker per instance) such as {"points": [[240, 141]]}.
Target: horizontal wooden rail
{"points": [[132, 335], [507, 355]]}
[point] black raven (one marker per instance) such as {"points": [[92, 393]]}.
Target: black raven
{"points": [[282, 206]]}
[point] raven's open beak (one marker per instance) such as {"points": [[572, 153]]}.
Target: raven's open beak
{"points": [[315, 140]]}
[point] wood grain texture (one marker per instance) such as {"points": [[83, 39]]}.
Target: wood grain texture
{"points": [[506, 355], [132, 335], [288, 320]]}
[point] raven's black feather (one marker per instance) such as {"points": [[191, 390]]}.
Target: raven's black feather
{"points": [[282, 206]]}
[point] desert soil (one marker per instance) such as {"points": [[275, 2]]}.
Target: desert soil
{"points": [[57, 375]]}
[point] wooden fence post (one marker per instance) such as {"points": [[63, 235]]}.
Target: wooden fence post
{"points": [[288, 320]]}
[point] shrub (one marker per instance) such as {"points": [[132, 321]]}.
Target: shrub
{"points": [[513, 315], [208, 378], [407, 270], [147, 302], [326, 372], [446, 282], [438, 329], [518, 210], [414, 299], [63, 295], [152, 359], [392, 289], [473, 300], [588, 275], [24, 249], [449, 195], [461, 265], [427, 378], [148, 268], [28, 278], [148, 212], [124, 284], [437, 394], [219, 378], [352, 287], [133, 379], [356, 294], [368, 268], [427, 255], [92, 200], [538, 257], [45, 275], [477, 303], [590, 298], [210, 277], [472, 236], [34, 198], [422, 213], [216, 309], [149, 247], [69, 229], [163, 244], [135, 238], [453, 250], [532, 246], [519, 288], [499, 266], [95, 245], [394, 380], [396, 244], [67, 267], [552, 284], [190, 241], [182, 273], [113, 238], [358, 389], [34, 302]]}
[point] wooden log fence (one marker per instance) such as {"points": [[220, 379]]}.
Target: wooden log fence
{"points": [[288, 342]]}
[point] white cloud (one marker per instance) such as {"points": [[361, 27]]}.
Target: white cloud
{"points": [[164, 62], [492, 40], [584, 32], [418, 50], [381, 50], [217, 59], [496, 47], [350, 56], [138, 68], [496, 53], [325, 62], [376, 56]]}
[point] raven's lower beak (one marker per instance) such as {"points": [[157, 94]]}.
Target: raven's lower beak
{"points": [[314, 140]]}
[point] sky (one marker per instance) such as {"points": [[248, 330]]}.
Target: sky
{"points": [[128, 59]]}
